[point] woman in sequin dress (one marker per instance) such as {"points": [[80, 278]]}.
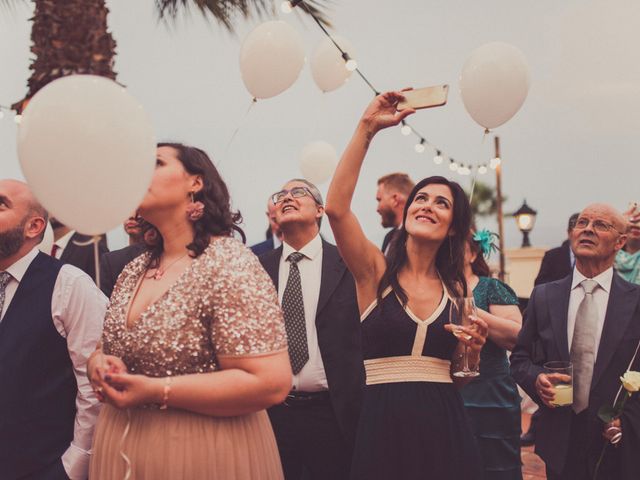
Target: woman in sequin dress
{"points": [[413, 424], [194, 346], [492, 399]]}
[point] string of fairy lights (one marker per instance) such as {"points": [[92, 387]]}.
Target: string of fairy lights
{"points": [[351, 64], [406, 128]]}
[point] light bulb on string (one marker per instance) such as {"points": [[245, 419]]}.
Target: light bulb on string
{"points": [[406, 129], [482, 169], [438, 158], [465, 170], [285, 7], [453, 166], [349, 63], [1, 114], [495, 162], [420, 146], [17, 118]]}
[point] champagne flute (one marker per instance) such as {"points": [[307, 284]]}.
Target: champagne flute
{"points": [[462, 310]]}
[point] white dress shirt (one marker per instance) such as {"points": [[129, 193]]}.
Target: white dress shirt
{"points": [[62, 243], [312, 377], [78, 308], [600, 295]]}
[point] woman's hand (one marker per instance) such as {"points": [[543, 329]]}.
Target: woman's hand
{"points": [[98, 366], [381, 112], [124, 390], [476, 334]]}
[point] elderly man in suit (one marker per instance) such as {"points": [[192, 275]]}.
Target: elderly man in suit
{"points": [[315, 426], [592, 319]]}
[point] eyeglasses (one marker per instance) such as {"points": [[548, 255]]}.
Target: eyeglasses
{"points": [[598, 225], [296, 192]]}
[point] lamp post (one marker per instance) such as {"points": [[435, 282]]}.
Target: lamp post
{"points": [[526, 219]]}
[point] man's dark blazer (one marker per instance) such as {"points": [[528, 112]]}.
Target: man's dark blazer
{"points": [[543, 338], [387, 239], [263, 247], [112, 263], [556, 264], [339, 336], [83, 256]]}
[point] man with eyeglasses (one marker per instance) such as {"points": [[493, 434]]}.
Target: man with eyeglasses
{"points": [[590, 318], [315, 426]]}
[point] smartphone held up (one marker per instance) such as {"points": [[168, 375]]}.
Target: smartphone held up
{"points": [[427, 97]]}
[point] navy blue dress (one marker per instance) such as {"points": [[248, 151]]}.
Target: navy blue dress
{"points": [[413, 424], [492, 399]]}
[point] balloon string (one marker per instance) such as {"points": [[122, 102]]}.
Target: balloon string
{"points": [[235, 132], [475, 170], [96, 256]]}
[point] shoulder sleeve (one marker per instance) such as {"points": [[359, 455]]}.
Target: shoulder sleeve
{"points": [[500, 293], [246, 318]]}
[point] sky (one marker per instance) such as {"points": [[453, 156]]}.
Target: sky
{"points": [[574, 141]]}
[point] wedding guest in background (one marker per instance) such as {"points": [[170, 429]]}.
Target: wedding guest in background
{"points": [[112, 263], [627, 263], [492, 399], [413, 423], [391, 196], [274, 235], [592, 319], [50, 321], [316, 425], [558, 262], [194, 347], [73, 248]]}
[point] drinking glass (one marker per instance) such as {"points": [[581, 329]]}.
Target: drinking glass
{"points": [[463, 309], [560, 374]]}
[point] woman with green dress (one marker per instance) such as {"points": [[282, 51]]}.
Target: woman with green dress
{"points": [[492, 400]]}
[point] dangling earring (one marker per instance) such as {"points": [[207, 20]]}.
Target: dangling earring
{"points": [[195, 210]]}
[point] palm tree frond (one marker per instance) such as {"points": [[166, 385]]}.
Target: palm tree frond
{"points": [[224, 11]]}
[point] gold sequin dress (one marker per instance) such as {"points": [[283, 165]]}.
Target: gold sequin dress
{"points": [[223, 304]]}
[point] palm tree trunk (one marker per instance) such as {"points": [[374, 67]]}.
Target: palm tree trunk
{"points": [[68, 37]]}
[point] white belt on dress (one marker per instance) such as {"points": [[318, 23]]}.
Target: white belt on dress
{"points": [[407, 369]]}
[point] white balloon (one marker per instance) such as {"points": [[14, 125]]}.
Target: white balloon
{"points": [[327, 65], [318, 161], [271, 58], [494, 83], [87, 149]]}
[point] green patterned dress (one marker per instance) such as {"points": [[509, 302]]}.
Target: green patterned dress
{"points": [[492, 399]]}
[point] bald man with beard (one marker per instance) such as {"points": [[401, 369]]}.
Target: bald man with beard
{"points": [[590, 318], [50, 322]]}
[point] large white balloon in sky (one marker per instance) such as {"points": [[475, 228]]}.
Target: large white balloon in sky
{"points": [[87, 149], [328, 68], [271, 58], [318, 161], [494, 83]]}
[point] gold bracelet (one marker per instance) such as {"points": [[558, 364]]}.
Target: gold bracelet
{"points": [[166, 392]]}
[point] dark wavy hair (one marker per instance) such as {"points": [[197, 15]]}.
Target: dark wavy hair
{"points": [[479, 266], [218, 218], [450, 255]]}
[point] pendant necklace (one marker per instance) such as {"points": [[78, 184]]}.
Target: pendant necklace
{"points": [[161, 271]]}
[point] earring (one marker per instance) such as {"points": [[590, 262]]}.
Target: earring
{"points": [[195, 210]]}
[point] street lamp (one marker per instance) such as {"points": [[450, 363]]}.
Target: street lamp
{"points": [[526, 219]]}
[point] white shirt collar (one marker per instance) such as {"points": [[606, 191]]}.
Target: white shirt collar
{"points": [[310, 250], [604, 279], [63, 241], [20, 266]]}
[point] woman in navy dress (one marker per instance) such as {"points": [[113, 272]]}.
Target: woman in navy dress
{"points": [[492, 399], [413, 424]]}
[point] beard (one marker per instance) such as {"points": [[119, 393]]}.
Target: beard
{"points": [[388, 218], [11, 241]]}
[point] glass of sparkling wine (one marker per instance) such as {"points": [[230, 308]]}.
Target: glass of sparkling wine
{"points": [[463, 309], [560, 374]]}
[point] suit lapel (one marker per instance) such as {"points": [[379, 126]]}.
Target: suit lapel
{"points": [[558, 297], [623, 299], [332, 269], [271, 263]]}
